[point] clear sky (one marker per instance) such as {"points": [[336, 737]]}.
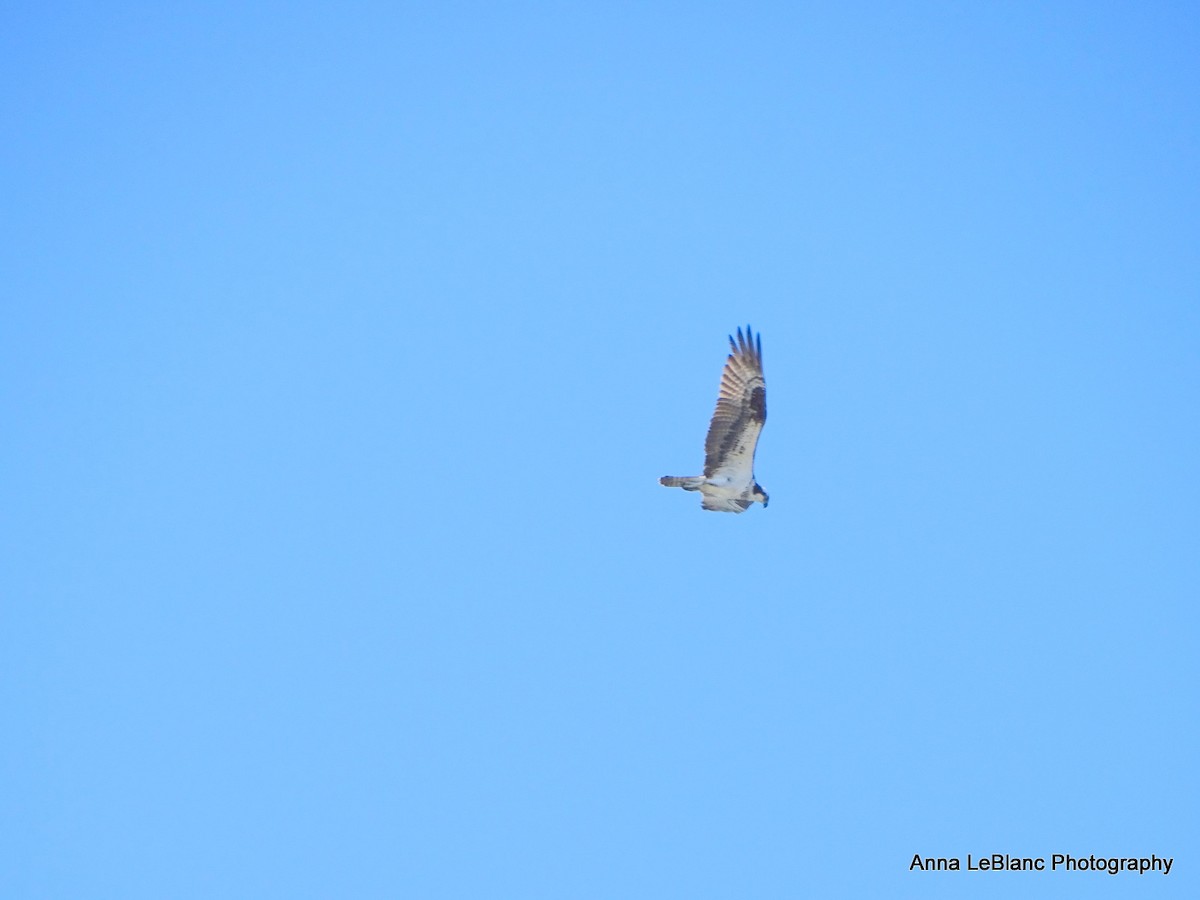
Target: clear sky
{"points": [[342, 346]]}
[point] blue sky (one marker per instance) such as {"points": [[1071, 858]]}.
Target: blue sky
{"points": [[343, 346]]}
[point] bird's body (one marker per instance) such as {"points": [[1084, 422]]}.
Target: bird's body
{"points": [[728, 484]]}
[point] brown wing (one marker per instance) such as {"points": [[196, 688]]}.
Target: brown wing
{"points": [[741, 411]]}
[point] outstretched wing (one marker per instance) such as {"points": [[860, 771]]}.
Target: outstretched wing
{"points": [[733, 504], [740, 414]]}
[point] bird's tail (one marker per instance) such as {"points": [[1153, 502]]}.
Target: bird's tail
{"points": [[688, 483]]}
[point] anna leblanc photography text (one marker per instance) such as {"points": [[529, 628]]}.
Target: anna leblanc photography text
{"points": [[1002, 862]]}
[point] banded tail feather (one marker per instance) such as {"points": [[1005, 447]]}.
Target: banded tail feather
{"points": [[688, 483]]}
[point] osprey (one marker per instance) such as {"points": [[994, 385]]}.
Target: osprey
{"points": [[728, 483]]}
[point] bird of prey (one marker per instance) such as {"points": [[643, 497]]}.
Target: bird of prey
{"points": [[728, 484]]}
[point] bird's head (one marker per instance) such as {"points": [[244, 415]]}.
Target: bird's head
{"points": [[760, 495]]}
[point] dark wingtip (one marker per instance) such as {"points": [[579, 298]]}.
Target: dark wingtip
{"points": [[749, 343]]}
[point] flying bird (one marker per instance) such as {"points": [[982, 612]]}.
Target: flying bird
{"points": [[728, 483]]}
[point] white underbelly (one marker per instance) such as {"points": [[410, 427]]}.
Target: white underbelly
{"points": [[725, 491]]}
